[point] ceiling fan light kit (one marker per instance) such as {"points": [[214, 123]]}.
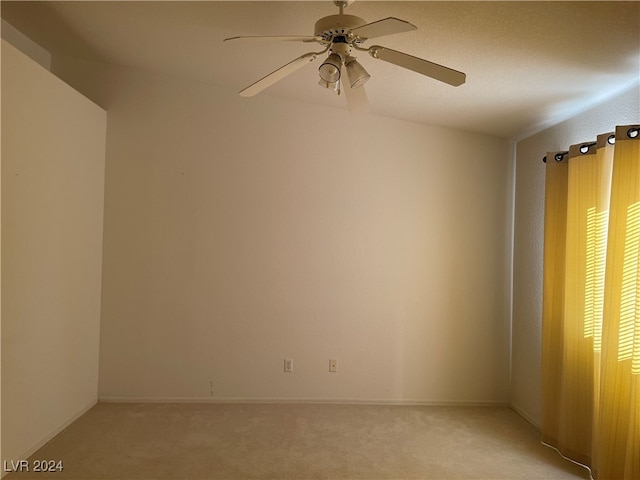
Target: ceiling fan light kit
{"points": [[340, 35], [356, 74], [335, 86], [330, 70]]}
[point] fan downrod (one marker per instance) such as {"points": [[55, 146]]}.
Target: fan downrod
{"points": [[342, 4]]}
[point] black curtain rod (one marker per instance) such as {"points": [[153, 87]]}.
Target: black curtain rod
{"points": [[557, 157], [633, 132]]}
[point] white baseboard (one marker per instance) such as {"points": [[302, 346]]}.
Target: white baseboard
{"points": [[59, 428], [526, 416], [321, 401]]}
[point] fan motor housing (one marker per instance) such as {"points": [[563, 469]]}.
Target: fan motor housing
{"points": [[337, 25]]}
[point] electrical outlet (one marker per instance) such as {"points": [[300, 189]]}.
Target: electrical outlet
{"points": [[333, 365], [288, 365]]}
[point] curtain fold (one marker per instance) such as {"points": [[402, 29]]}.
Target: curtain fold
{"points": [[555, 234], [591, 305]]}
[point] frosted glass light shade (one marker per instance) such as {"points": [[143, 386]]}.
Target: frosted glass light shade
{"points": [[356, 73], [330, 69]]}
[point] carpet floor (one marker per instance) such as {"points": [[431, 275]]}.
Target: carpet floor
{"points": [[300, 441]]}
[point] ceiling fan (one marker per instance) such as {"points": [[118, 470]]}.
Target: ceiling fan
{"points": [[340, 35]]}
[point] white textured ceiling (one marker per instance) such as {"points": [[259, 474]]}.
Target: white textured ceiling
{"points": [[528, 64]]}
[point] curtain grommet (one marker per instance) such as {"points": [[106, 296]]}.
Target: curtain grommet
{"points": [[585, 147]]}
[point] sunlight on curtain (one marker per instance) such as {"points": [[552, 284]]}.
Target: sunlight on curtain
{"points": [[628, 333], [618, 440], [591, 305]]}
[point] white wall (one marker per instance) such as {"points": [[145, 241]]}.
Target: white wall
{"points": [[529, 221], [53, 147], [239, 232], [43, 57]]}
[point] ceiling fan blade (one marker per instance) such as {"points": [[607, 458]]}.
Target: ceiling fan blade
{"points": [[357, 100], [424, 67], [386, 26], [274, 38], [278, 74]]}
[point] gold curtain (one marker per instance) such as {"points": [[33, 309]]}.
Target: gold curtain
{"points": [[591, 305]]}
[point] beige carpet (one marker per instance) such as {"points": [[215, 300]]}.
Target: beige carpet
{"points": [[300, 441]]}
